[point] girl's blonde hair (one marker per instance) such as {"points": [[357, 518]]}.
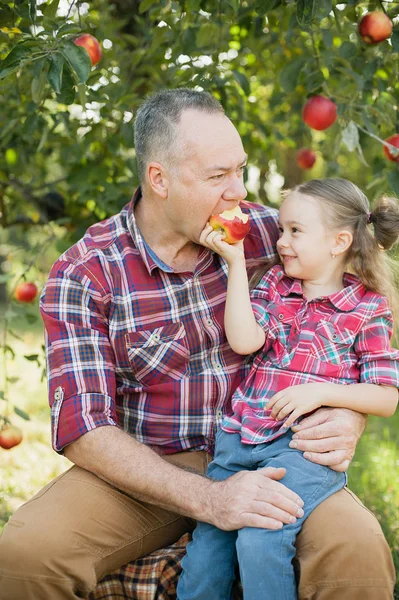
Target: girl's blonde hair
{"points": [[373, 230]]}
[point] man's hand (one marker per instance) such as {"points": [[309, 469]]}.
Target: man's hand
{"points": [[329, 436], [253, 499]]}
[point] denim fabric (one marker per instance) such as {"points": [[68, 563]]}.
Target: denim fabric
{"points": [[264, 556]]}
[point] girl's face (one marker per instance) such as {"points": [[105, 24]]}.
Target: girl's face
{"points": [[306, 244]]}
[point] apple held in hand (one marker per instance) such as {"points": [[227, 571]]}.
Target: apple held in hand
{"points": [[25, 292], [375, 27], [394, 141], [10, 436], [319, 112], [305, 158], [233, 223], [91, 45]]}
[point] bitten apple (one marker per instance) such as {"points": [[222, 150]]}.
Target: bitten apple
{"points": [[10, 436], [91, 45], [233, 223], [394, 141], [305, 158], [375, 27], [319, 112], [25, 292]]}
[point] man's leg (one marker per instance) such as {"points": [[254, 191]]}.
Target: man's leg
{"points": [[343, 554], [76, 530]]}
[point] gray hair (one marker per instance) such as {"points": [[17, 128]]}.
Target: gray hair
{"points": [[155, 131]]}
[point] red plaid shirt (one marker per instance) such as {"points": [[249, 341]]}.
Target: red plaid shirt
{"points": [[133, 344], [342, 338]]}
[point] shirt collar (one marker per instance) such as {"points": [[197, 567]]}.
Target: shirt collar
{"points": [[150, 259], [345, 300]]}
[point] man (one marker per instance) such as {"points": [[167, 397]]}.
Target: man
{"points": [[140, 375]]}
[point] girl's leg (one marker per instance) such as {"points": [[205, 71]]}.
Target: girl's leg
{"points": [[265, 556], [210, 561]]}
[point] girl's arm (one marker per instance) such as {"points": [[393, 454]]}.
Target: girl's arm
{"points": [[368, 398], [243, 332]]}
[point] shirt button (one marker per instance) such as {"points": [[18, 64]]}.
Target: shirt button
{"points": [[281, 316], [334, 336], [209, 322], [218, 366], [218, 414], [156, 337]]}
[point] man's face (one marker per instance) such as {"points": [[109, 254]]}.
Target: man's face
{"points": [[208, 177]]}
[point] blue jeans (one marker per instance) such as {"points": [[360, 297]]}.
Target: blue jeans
{"points": [[264, 556]]}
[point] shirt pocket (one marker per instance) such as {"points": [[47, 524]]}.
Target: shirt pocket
{"points": [[159, 355], [281, 319], [332, 344]]}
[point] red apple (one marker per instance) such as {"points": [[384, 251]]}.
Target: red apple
{"points": [[375, 27], [305, 158], [233, 223], [319, 112], [394, 141], [92, 46], [25, 292], [10, 436]]}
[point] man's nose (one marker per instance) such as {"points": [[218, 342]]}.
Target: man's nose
{"points": [[236, 189]]}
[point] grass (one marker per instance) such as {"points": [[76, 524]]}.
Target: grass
{"points": [[373, 475]]}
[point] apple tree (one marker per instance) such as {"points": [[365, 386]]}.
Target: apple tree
{"points": [[312, 87]]}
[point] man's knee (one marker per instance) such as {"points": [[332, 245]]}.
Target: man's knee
{"points": [[342, 547]]}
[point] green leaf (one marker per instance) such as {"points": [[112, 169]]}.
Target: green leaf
{"points": [[262, 7], [32, 10], [393, 180], [82, 94], [395, 40], [290, 74], [31, 357], [13, 59], [54, 75], [68, 28], [323, 8], [38, 81], [350, 136], [68, 93], [145, 5], [50, 11], [305, 11], [207, 34], [21, 413], [347, 50], [78, 59], [242, 81]]}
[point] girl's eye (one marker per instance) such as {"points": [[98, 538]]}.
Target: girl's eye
{"points": [[295, 230], [280, 230]]}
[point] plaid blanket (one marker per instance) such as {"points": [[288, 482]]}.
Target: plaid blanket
{"points": [[153, 577]]}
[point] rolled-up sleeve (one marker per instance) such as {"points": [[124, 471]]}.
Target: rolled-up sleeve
{"points": [[80, 359], [378, 361]]}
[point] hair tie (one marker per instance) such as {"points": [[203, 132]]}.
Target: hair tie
{"points": [[369, 217]]}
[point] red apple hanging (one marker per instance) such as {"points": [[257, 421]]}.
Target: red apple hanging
{"points": [[319, 112], [305, 158], [25, 292], [91, 45], [10, 436], [394, 141], [233, 223], [375, 27]]}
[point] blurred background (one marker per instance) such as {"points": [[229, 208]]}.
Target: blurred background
{"points": [[67, 157]]}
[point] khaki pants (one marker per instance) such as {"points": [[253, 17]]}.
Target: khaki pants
{"points": [[78, 528]]}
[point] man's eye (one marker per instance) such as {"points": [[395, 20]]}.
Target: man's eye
{"points": [[216, 177], [242, 169]]}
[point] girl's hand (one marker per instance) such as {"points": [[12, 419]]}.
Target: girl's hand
{"points": [[297, 401], [214, 240]]}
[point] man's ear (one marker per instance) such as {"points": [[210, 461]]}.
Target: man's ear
{"points": [[158, 179], [343, 241]]}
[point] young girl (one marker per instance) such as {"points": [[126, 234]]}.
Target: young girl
{"points": [[324, 340]]}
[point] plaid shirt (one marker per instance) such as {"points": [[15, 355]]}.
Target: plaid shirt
{"points": [[342, 338], [133, 344]]}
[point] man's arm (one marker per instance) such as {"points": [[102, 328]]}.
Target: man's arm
{"points": [[247, 499]]}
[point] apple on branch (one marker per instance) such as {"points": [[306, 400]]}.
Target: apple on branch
{"points": [[25, 292], [305, 158], [91, 45], [233, 223], [10, 436], [375, 27], [319, 112], [394, 141]]}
